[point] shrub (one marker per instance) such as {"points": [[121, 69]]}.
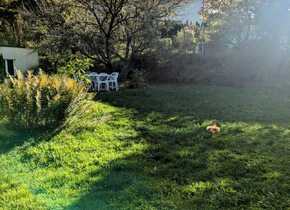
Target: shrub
{"points": [[76, 68], [39, 100], [136, 79]]}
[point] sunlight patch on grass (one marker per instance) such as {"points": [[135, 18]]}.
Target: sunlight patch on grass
{"points": [[149, 149]]}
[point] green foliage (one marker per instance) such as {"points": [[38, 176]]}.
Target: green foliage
{"points": [[38, 100], [119, 30], [137, 79], [77, 68], [20, 193], [183, 67]]}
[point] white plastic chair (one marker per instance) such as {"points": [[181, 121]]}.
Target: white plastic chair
{"points": [[113, 81], [93, 76], [103, 79]]}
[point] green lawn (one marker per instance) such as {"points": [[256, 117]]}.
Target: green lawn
{"points": [[149, 149]]}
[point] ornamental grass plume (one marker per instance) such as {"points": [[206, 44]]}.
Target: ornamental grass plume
{"points": [[34, 101]]}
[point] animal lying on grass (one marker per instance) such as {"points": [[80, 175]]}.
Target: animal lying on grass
{"points": [[214, 127]]}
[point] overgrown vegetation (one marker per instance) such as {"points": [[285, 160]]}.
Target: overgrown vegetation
{"points": [[77, 68], [41, 100], [237, 38], [149, 149]]}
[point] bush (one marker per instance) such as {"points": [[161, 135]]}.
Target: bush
{"points": [[37, 101], [77, 68], [181, 67], [136, 79]]}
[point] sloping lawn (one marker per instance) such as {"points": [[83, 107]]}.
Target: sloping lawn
{"points": [[149, 149]]}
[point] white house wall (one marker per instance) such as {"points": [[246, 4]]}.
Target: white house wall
{"points": [[24, 59]]}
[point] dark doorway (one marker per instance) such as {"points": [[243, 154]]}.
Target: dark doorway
{"points": [[10, 66]]}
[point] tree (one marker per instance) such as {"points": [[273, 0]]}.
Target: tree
{"points": [[103, 30], [255, 32], [235, 22], [12, 14]]}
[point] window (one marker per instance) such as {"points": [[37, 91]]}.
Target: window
{"points": [[10, 67]]}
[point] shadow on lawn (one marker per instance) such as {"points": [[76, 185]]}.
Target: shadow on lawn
{"points": [[11, 137], [184, 167], [226, 104]]}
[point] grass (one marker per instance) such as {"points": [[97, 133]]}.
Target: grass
{"points": [[149, 150]]}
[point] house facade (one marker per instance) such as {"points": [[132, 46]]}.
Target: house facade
{"points": [[22, 59]]}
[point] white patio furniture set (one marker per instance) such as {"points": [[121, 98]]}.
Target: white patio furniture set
{"points": [[104, 81]]}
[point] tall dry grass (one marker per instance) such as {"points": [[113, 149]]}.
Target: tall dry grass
{"points": [[33, 101]]}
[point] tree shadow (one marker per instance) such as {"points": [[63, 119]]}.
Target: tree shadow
{"points": [[206, 102], [185, 167], [11, 136]]}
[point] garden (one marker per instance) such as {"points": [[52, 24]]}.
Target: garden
{"points": [[149, 149], [125, 105]]}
